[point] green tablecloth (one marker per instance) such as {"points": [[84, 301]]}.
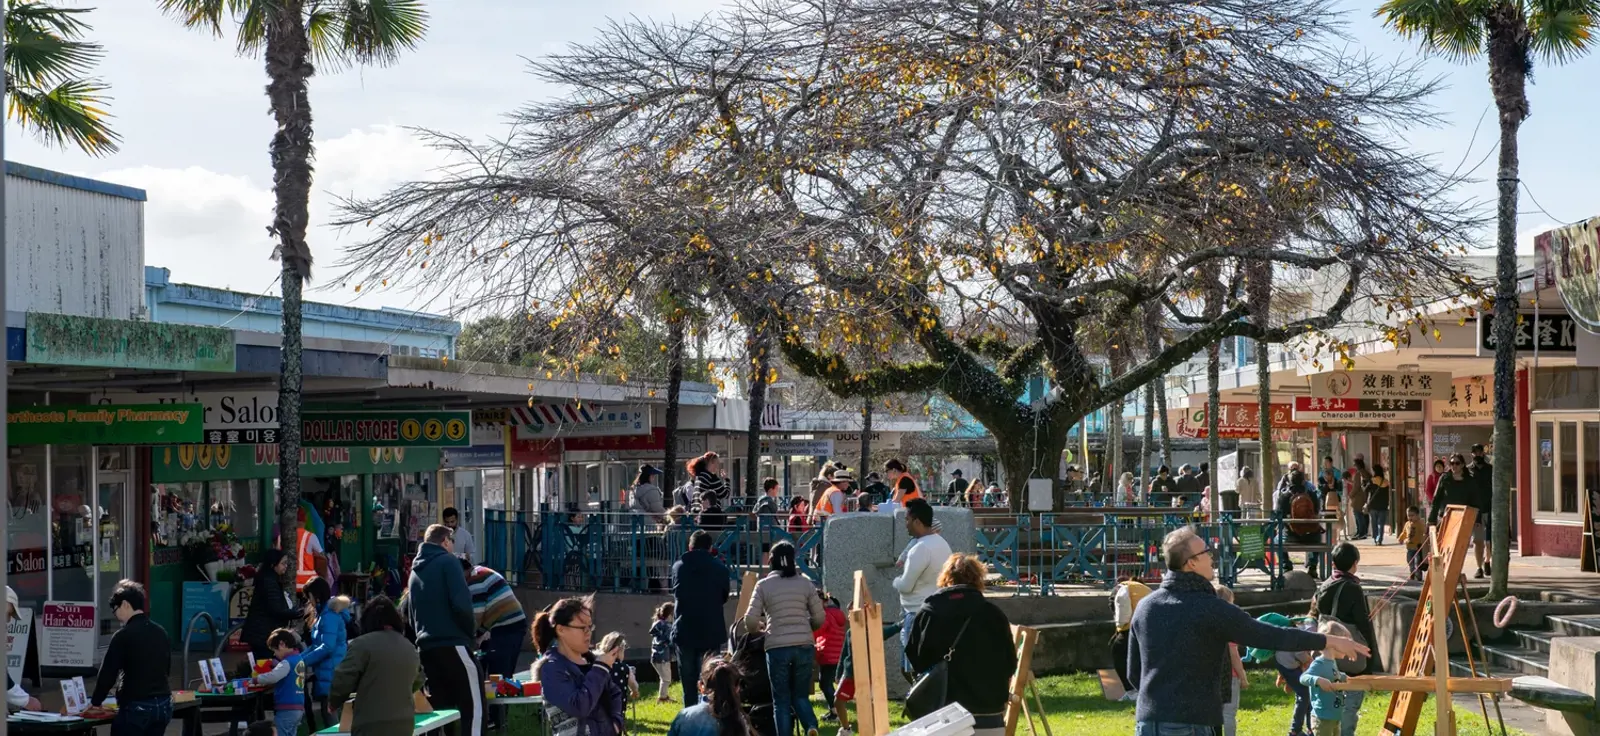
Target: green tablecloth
{"points": [[424, 723]]}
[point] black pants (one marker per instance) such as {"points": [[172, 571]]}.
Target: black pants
{"points": [[1119, 658], [830, 674], [690, 660], [455, 683], [1362, 521]]}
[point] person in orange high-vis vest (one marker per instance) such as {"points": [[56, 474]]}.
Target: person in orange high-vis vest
{"points": [[904, 487], [307, 549]]}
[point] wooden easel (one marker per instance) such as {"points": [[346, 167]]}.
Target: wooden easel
{"points": [[1428, 643], [1022, 684], [866, 660]]}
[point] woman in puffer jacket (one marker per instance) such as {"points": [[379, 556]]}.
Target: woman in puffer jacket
{"points": [[329, 620], [792, 610]]}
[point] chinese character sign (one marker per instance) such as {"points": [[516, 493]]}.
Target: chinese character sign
{"points": [[1555, 333]]}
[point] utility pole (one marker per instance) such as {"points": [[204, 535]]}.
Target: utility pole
{"points": [[5, 471]]}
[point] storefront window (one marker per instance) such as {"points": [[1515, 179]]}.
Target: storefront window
{"points": [[28, 527], [72, 523], [1566, 388], [237, 503], [175, 513], [1546, 452], [406, 504], [1568, 449]]}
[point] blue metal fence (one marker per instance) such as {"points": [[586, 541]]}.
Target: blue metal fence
{"points": [[1037, 554]]}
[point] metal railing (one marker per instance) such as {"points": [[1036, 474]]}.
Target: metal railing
{"points": [[1035, 554]]}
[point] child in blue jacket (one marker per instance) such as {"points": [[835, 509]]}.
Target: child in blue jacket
{"points": [[329, 626], [289, 678]]}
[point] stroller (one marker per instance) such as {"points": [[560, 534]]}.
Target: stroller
{"points": [[749, 654]]}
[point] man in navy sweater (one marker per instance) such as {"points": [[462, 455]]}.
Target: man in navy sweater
{"points": [[1178, 648]]}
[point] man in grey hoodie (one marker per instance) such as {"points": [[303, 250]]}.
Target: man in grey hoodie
{"points": [[441, 613]]}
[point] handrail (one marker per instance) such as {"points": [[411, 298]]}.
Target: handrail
{"points": [[188, 638]]}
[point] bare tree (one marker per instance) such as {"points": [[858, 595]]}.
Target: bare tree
{"points": [[978, 181]]}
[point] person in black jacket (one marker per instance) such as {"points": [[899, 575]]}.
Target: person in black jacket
{"points": [[1342, 598], [959, 622], [440, 607], [270, 606], [138, 662], [700, 589], [1482, 474], [1459, 488]]}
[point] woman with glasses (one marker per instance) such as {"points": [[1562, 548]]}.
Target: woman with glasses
{"points": [[580, 696]]}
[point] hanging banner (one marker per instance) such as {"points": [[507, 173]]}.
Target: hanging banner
{"points": [[1313, 409], [67, 634], [1235, 421], [789, 448], [134, 424], [386, 429], [229, 417], [1381, 385], [1548, 333], [1471, 400], [1566, 258]]}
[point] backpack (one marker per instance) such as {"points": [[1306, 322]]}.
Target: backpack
{"points": [[682, 496], [1303, 506], [1358, 664]]}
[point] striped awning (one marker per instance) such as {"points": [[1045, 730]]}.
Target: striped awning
{"points": [[540, 415]]}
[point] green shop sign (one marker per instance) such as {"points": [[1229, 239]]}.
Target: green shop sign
{"points": [[187, 463], [128, 424], [386, 429], [60, 339]]}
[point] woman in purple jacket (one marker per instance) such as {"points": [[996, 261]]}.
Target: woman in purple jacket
{"points": [[580, 696]]}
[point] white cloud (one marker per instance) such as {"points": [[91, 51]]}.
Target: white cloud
{"points": [[210, 228]]}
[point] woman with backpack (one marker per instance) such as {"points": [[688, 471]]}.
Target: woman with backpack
{"points": [[1297, 499], [1342, 598]]}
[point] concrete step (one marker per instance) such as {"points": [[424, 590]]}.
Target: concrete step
{"points": [[1538, 641], [1459, 668], [1585, 625], [1519, 660]]}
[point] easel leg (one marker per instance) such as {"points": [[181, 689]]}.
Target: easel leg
{"points": [[1038, 703]]}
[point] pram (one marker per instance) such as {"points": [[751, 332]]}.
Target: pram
{"points": [[749, 654]]}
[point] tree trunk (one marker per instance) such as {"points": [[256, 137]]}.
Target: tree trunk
{"points": [[1024, 452], [1152, 346], [760, 362], [1260, 295], [669, 457], [1508, 57], [288, 68], [1148, 441], [866, 442], [1213, 308]]}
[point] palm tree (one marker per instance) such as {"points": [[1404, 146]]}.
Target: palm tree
{"points": [[289, 35], [1510, 33], [48, 90]]}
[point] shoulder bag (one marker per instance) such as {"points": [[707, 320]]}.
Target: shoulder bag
{"points": [[1358, 665], [932, 691]]}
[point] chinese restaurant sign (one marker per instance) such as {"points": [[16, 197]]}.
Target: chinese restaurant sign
{"points": [[133, 424], [60, 339], [387, 429], [1381, 385], [1313, 409], [1546, 333], [1471, 400], [1567, 258], [1235, 421]]}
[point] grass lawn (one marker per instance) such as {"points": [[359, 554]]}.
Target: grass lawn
{"points": [[1076, 708]]}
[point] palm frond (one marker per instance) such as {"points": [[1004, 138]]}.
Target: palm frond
{"points": [[378, 31], [1454, 28], [71, 113], [204, 14], [1560, 30], [44, 51]]}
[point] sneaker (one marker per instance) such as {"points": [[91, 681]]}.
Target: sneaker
{"points": [[830, 717], [1488, 568], [846, 732], [1478, 574], [811, 732]]}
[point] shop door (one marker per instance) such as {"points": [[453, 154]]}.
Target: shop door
{"points": [[112, 553]]}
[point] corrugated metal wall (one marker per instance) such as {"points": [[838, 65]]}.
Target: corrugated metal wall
{"points": [[71, 251]]}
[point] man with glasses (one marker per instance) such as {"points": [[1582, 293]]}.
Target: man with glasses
{"points": [[138, 664], [441, 613], [1178, 646], [16, 697]]}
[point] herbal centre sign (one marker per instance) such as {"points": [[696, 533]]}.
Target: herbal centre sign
{"points": [[134, 424], [387, 429]]}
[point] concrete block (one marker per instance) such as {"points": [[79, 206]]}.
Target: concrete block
{"points": [[1575, 662]]}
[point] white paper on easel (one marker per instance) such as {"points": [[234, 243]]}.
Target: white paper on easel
{"points": [[74, 696], [217, 675], [951, 720], [205, 674]]}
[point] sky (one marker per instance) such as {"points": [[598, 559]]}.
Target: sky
{"points": [[195, 126]]}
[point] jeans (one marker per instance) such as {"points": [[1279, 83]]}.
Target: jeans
{"points": [[1380, 519], [1352, 712], [1362, 520], [1302, 698], [142, 717], [689, 661], [288, 721], [1414, 558], [1172, 729], [789, 669], [905, 637]]}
